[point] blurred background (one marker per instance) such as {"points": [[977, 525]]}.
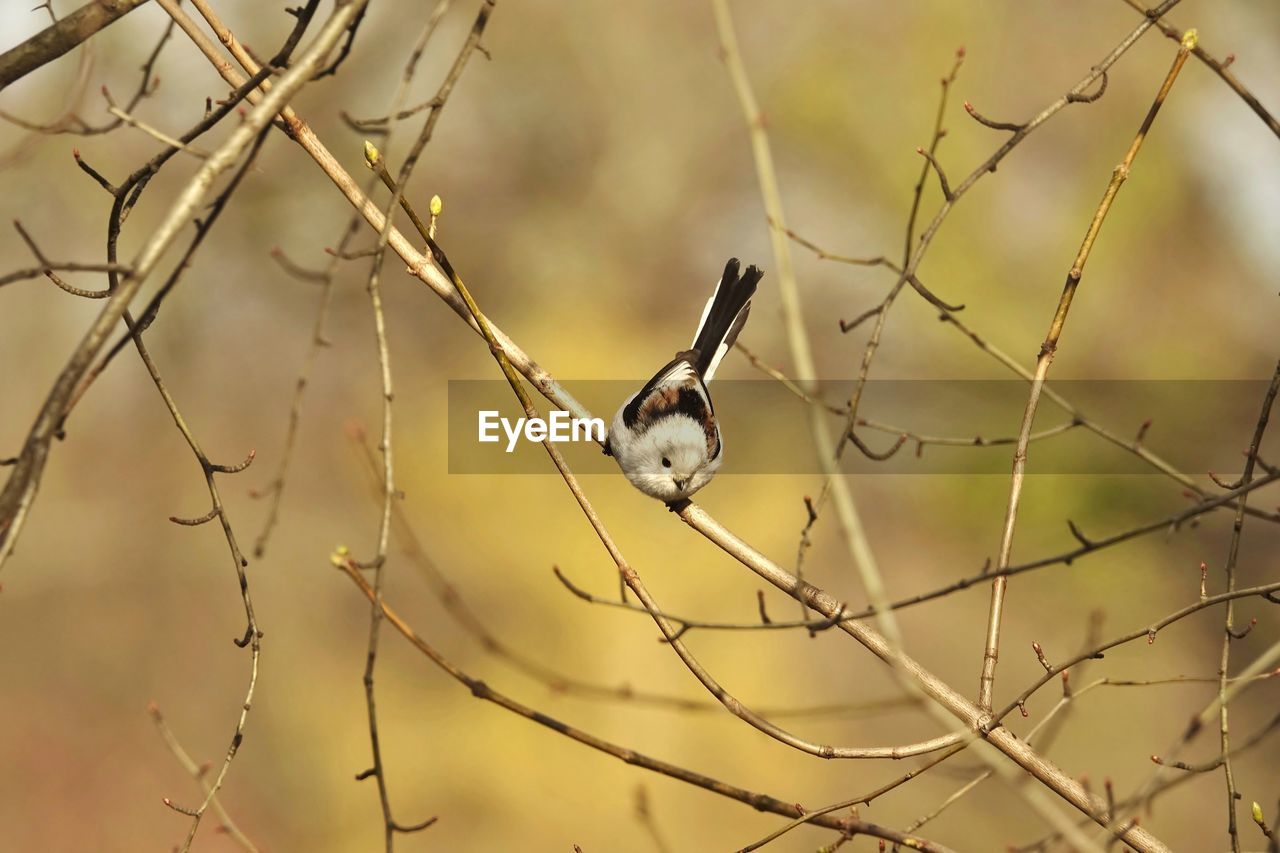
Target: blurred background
{"points": [[596, 172]]}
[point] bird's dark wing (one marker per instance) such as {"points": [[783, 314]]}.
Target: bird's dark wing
{"points": [[678, 371], [675, 389]]}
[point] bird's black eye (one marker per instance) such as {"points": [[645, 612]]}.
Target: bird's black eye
{"points": [[666, 463]]}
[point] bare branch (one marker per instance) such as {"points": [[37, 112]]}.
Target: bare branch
{"points": [[1047, 350], [61, 36]]}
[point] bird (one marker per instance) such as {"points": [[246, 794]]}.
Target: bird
{"points": [[665, 437]]}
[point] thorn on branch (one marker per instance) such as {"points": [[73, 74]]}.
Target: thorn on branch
{"points": [[942, 176], [1220, 483], [994, 125], [195, 522], [248, 635], [1142, 432], [764, 615], [181, 809], [366, 774], [872, 454], [1081, 98], [569, 585], [75, 291], [414, 827], [1243, 632], [1079, 535], [234, 469], [296, 270], [929, 295], [847, 326], [93, 173]]}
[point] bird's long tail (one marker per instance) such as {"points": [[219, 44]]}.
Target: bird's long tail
{"points": [[724, 316]]}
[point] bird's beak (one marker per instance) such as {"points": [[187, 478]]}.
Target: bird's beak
{"points": [[680, 484]]}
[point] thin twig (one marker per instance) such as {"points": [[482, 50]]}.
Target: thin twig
{"points": [[200, 773], [1220, 67], [644, 816], [914, 255], [1064, 558], [991, 651], [481, 690], [389, 494], [977, 720], [253, 634], [276, 488], [1233, 554], [153, 132], [1078, 416]]}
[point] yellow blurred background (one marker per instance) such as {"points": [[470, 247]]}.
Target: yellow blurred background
{"points": [[596, 172]]}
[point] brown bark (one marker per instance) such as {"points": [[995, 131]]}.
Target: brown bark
{"points": [[55, 40]]}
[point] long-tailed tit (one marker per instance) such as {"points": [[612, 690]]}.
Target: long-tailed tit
{"points": [[665, 437]]}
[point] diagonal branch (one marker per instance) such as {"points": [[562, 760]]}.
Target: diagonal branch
{"points": [[20, 489], [758, 801], [991, 651], [1219, 67], [58, 38], [979, 721]]}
